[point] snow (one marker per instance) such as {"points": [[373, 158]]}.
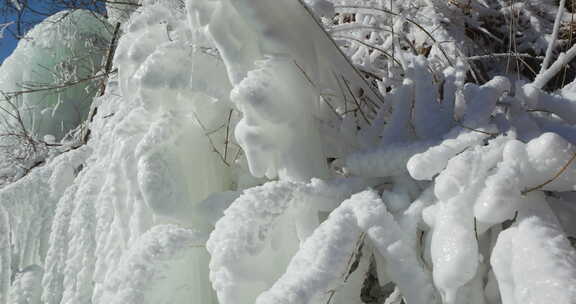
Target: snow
{"points": [[161, 253], [481, 100], [385, 161], [524, 166], [431, 120], [425, 165], [239, 154], [534, 260], [258, 234], [501, 197], [311, 275]]}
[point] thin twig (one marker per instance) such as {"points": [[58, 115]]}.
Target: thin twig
{"points": [[313, 85], [355, 100], [474, 130], [343, 56], [227, 134], [381, 10], [372, 47], [111, 52], [354, 260], [341, 91], [476, 229], [120, 2], [553, 178], [332, 293], [498, 55], [210, 139], [306, 76], [351, 264], [325, 100], [60, 86]]}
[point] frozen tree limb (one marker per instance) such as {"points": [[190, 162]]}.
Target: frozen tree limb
{"points": [[554, 36]]}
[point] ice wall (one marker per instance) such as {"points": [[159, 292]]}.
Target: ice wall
{"points": [[55, 72], [157, 153]]}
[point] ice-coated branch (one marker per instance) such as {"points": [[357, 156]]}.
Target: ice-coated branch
{"points": [[545, 76], [503, 55], [243, 232], [321, 263], [267, 221], [554, 36], [533, 260], [425, 165], [3, 27]]}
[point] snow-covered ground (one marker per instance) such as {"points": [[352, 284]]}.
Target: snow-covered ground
{"points": [[296, 152]]}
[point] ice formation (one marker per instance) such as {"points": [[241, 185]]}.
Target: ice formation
{"points": [[302, 152], [63, 52]]}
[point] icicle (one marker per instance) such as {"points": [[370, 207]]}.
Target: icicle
{"points": [[27, 287], [155, 269], [5, 256]]}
